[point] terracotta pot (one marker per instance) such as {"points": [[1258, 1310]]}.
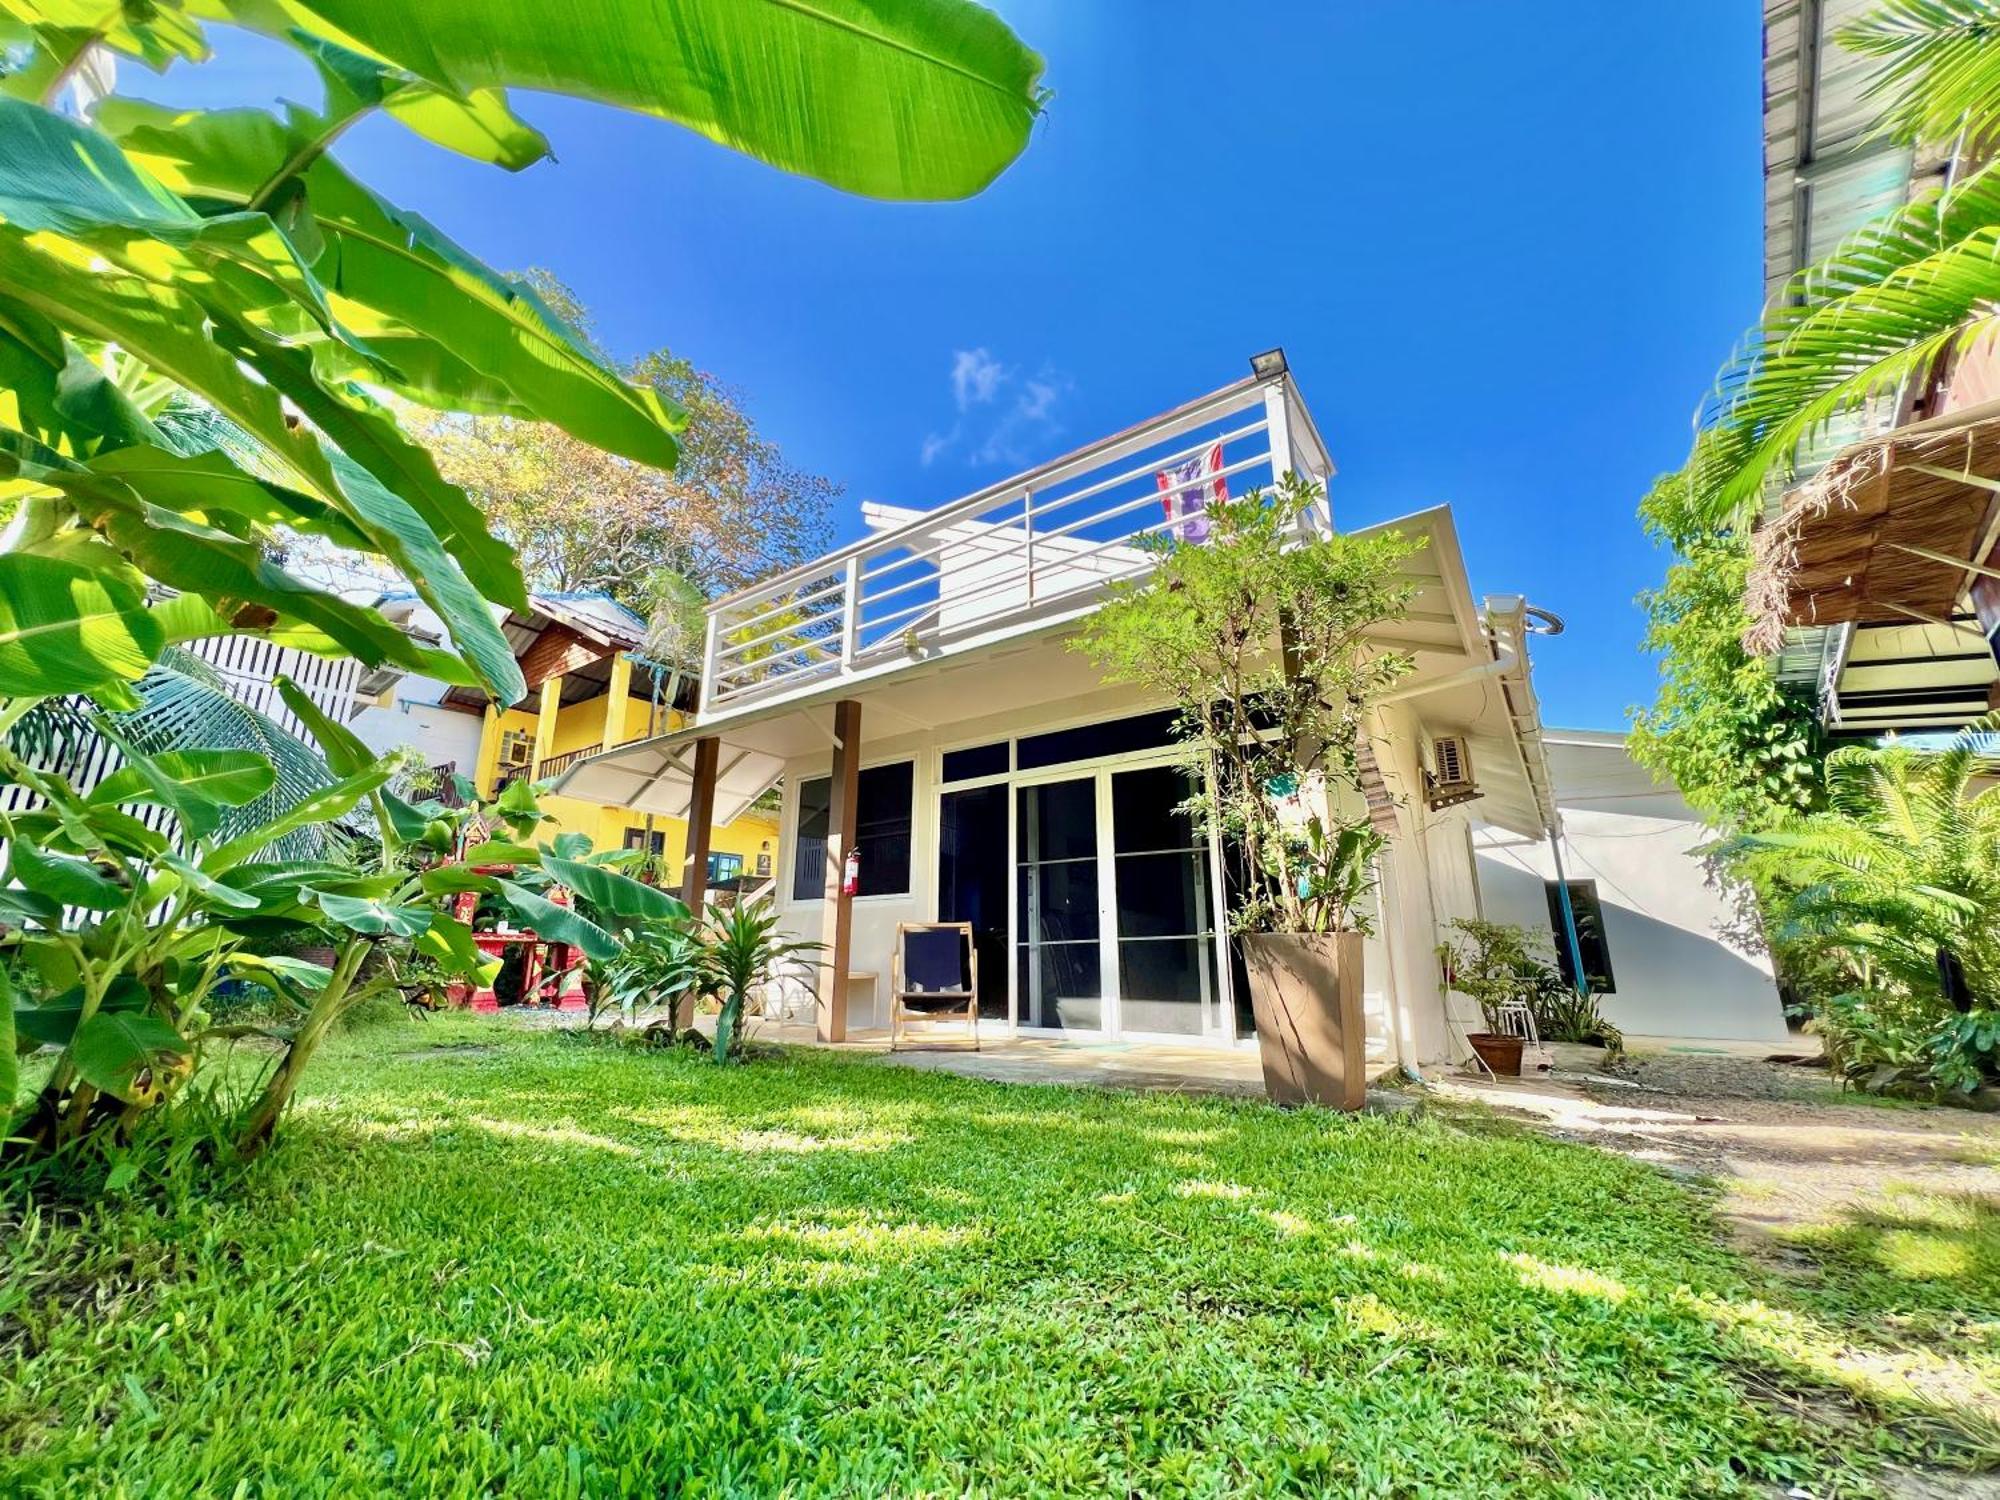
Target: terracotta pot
{"points": [[1305, 988], [1500, 1053]]}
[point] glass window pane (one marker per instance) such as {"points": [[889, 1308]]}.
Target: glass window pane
{"points": [[1094, 741], [1590, 936], [882, 832], [1058, 821], [972, 882], [1165, 983], [1059, 902], [1062, 986], [1163, 895], [809, 850], [1145, 812], [979, 760]]}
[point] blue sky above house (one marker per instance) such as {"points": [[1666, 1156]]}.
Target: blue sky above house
{"points": [[1505, 248]]}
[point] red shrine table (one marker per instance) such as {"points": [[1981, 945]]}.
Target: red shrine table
{"points": [[551, 973]]}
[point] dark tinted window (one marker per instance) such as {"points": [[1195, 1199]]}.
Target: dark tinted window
{"points": [[882, 833], [979, 760], [1589, 935], [1145, 810], [1093, 741]]}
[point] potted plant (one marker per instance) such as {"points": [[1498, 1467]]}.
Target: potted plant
{"points": [[1257, 633], [1495, 963]]}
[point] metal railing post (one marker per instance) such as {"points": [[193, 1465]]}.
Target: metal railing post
{"points": [[1278, 429], [1028, 545], [710, 666], [850, 614]]}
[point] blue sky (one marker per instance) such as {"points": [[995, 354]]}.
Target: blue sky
{"points": [[1505, 247]]}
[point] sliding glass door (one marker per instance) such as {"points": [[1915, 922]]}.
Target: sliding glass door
{"points": [[1059, 968], [1114, 919], [973, 880], [1165, 906]]}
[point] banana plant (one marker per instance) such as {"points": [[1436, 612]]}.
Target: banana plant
{"points": [[156, 261], [130, 929]]}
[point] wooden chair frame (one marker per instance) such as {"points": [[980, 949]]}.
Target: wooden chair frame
{"points": [[899, 1017]]}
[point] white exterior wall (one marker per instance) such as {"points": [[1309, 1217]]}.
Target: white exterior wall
{"points": [[416, 719], [412, 715], [1427, 877], [1675, 972]]}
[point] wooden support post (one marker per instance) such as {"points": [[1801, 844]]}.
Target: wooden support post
{"points": [[838, 915], [694, 863]]}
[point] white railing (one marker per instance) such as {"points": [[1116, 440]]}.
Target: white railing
{"points": [[1041, 545]]}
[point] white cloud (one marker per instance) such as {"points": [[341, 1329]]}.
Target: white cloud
{"points": [[1024, 411], [1037, 398], [976, 377], [935, 443]]}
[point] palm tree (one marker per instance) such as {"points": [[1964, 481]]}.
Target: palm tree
{"points": [[1895, 298], [184, 705], [744, 947]]}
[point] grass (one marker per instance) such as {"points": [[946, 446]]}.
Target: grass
{"points": [[485, 1260]]}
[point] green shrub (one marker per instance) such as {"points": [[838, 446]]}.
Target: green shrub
{"points": [[1900, 878]]}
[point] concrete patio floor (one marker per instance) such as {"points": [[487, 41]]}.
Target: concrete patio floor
{"points": [[1145, 1066]]}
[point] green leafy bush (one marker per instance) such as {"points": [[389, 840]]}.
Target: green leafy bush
{"points": [[130, 931], [1900, 877], [1494, 963]]}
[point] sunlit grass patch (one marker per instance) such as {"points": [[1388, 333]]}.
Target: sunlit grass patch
{"points": [[549, 1266]]}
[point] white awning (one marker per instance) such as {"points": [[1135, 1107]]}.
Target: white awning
{"points": [[657, 775]]}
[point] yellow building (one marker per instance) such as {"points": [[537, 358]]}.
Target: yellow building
{"points": [[586, 695]]}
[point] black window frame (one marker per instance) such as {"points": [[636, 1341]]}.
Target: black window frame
{"points": [[878, 832]]}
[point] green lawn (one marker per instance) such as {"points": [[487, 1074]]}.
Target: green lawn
{"points": [[489, 1260]]}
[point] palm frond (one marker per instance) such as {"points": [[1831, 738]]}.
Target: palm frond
{"points": [[183, 705], [1942, 67], [1885, 304]]}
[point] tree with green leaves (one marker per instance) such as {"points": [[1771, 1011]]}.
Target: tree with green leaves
{"points": [[731, 511], [1901, 875], [1259, 639], [1744, 749]]}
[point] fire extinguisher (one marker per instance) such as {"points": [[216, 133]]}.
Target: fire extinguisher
{"points": [[850, 873]]}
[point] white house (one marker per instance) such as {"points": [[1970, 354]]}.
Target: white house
{"points": [[915, 695], [1658, 935]]}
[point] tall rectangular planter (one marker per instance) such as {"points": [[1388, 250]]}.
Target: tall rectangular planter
{"points": [[1305, 988]]}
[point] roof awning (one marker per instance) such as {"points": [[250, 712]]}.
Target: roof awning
{"points": [[1891, 530], [1472, 675], [657, 775]]}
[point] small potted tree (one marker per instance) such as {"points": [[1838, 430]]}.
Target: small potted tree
{"points": [[1494, 964], [1258, 635]]}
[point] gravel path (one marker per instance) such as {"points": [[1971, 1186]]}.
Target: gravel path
{"points": [[1788, 1149]]}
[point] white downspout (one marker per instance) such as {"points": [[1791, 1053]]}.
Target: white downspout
{"points": [[1397, 1032]]}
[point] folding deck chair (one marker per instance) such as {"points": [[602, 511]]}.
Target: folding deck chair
{"points": [[933, 976]]}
